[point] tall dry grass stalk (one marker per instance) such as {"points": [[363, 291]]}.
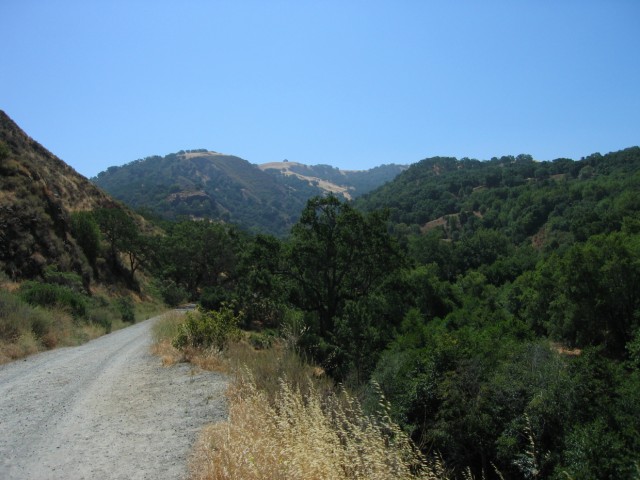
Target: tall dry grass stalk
{"points": [[309, 436], [287, 420], [164, 331]]}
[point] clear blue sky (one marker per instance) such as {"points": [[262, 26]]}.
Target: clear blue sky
{"points": [[349, 83]]}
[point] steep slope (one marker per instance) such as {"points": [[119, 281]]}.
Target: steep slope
{"points": [[38, 192]]}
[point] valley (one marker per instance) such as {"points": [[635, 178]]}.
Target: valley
{"points": [[493, 305]]}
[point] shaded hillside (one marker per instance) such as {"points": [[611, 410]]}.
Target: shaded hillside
{"points": [[202, 184], [348, 183], [38, 192]]}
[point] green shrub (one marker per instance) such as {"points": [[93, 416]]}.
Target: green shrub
{"points": [[70, 280], [262, 340], [205, 329], [51, 295], [172, 294], [127, 311], [213, 298], [101, 316]]}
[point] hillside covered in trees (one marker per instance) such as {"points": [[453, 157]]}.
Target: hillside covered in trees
{"points": [[69, 253], [200, 184], [496, 305], [38, 193], [521, 344]]}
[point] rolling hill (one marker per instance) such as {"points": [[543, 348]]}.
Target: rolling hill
{"points": [[544, 203], [204, 184]]}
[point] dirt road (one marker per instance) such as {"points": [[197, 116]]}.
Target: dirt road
{"points": [[104, 410]]}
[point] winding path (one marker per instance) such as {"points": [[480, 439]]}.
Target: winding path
{"points": [[104, 410]]}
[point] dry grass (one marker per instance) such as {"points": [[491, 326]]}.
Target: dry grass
{"points": [[164, 331], [268, 366], [288, 421], [39, 330], [55, 328], [304, 436], [25, 330], [168, 354], [208, 359], [26, 344]]}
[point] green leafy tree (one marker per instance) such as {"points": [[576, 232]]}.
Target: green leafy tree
{"points": [[261, 292], [197, 255], [597, 295], [336, 255], [86, 231], [118, 229], [360, 335]]}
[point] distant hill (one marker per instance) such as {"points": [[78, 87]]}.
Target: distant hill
{"points": [[38, 192], [545, 203], [348, 183], [204, 184]]}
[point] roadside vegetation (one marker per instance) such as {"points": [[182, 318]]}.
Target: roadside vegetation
{"points": [[493, 307], [291, 410], [55, 312], [69, 255]]}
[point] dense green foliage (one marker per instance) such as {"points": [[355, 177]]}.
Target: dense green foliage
{"points": [[517, 346], [557, 202], [206, 329], [505, 333], [200, 184], [53, 295]]}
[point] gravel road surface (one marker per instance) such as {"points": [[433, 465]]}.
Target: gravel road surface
{"points": [[104, 410]]}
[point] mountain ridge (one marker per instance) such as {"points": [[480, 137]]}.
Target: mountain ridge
{"points": [[201, 184]]}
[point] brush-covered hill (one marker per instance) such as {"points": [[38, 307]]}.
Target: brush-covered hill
{"points": [[543, 202], [38, 195], [205, 184]]}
